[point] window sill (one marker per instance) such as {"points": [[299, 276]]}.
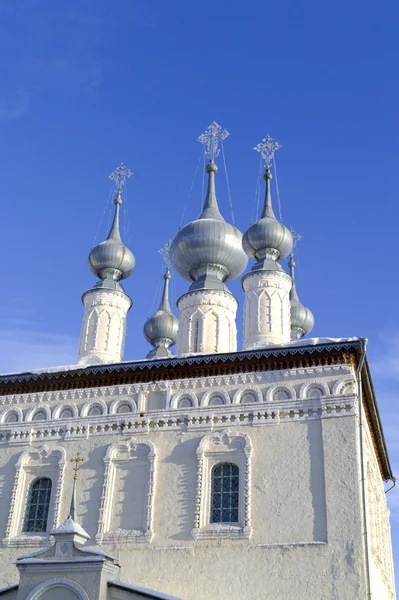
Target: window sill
{"points": [[127, 536], [28, 541], [211, 532]]}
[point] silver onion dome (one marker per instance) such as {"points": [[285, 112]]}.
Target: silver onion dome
{"points": [[208, 251], [112, 260], [161, 329], [267, 240], [302, 320]]}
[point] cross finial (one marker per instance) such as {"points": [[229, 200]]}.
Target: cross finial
{"points": [[120, 175], [211, 138], [165, 253], [77, 460], [296, 238], [267, 148]]}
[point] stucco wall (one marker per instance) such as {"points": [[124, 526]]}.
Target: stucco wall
{"points": [[306, 534]]}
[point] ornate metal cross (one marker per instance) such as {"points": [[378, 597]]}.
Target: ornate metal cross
{"points": [[165, 253], [295, 236], [267, 148], [120, 175], [211, 138], [77, 460]]}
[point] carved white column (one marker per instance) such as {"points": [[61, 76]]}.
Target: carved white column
{"points": [[102, 338], [267, 311], [207, 322]]}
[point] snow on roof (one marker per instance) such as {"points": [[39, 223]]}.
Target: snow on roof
{"points": [[69, 526], [141, 591]]}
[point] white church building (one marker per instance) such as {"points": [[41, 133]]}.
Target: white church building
{"points": [[253, 473]]}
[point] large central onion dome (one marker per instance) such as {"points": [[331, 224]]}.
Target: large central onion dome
{"points": [[267, 240], [161, 329], [112, 260], [208, 251], [302, 320]]}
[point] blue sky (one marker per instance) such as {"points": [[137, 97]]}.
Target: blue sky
{"points": [[87, 85]]}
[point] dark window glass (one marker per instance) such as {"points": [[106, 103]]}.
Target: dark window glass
{"points": [[224, 493], [38, 505]]}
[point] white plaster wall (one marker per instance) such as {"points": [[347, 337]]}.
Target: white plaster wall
{"points": [[103, 333], [267, 312], [207, 323], [306, 540], [289, 515]]}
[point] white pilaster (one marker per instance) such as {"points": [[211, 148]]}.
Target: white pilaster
{"points": [[102, 338], [207, 322], [267, 316]]}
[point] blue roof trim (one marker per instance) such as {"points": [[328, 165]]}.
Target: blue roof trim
{"points": [[191, 360]]}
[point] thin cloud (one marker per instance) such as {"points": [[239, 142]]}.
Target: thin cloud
{"points": [[24, 349]]}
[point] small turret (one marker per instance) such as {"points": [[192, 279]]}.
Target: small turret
{"points": [[161, 329], [302, 320]]}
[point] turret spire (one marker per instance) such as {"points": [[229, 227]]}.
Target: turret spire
{"points": [[111, 260], [211, 139], [302, 320], [77, 460], [106, 304], [267, 240], [161, 329]]}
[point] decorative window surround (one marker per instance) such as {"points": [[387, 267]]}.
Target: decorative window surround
{"points": [[113, 409], [253, 389], [217, 447], [208, 396], [174, 403], [58, 410], [54, 583], [104, 535], [42, 407], [14, 535], [309, 385], [85, 412], [18, 412]]}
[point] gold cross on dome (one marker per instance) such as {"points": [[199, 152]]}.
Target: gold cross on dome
{"points": [[77, 460]]}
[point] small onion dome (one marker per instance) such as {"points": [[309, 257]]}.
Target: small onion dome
{"points": [[302, 320], [111, 259], [267, 240], [161, 329], [208, 251]]}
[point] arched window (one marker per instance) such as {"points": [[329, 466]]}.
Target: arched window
{"points": [[216, 400], [124, 407], [197, 335], [38, 505], [66, 413], [12, 417], [185, 402], [95, 410], [224, 493], [39, 416]]}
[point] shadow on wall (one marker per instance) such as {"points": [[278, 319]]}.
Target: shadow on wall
{"points": [[317, 480], [184, 455], [91, 477]]}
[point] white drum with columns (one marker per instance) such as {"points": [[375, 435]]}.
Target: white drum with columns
{"points": [[267, 318], [103, 333], [207, 322]]}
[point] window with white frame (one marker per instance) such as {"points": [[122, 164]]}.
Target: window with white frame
{"points": [[35, 497], [223, 486], [127, 498], [37, 508]]}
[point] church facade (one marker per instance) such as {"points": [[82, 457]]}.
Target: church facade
{"points": [[216, 473]]}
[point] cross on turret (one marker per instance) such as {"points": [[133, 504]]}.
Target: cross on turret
{"points": [[120, 175], [211, 138], [267, 148]]}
